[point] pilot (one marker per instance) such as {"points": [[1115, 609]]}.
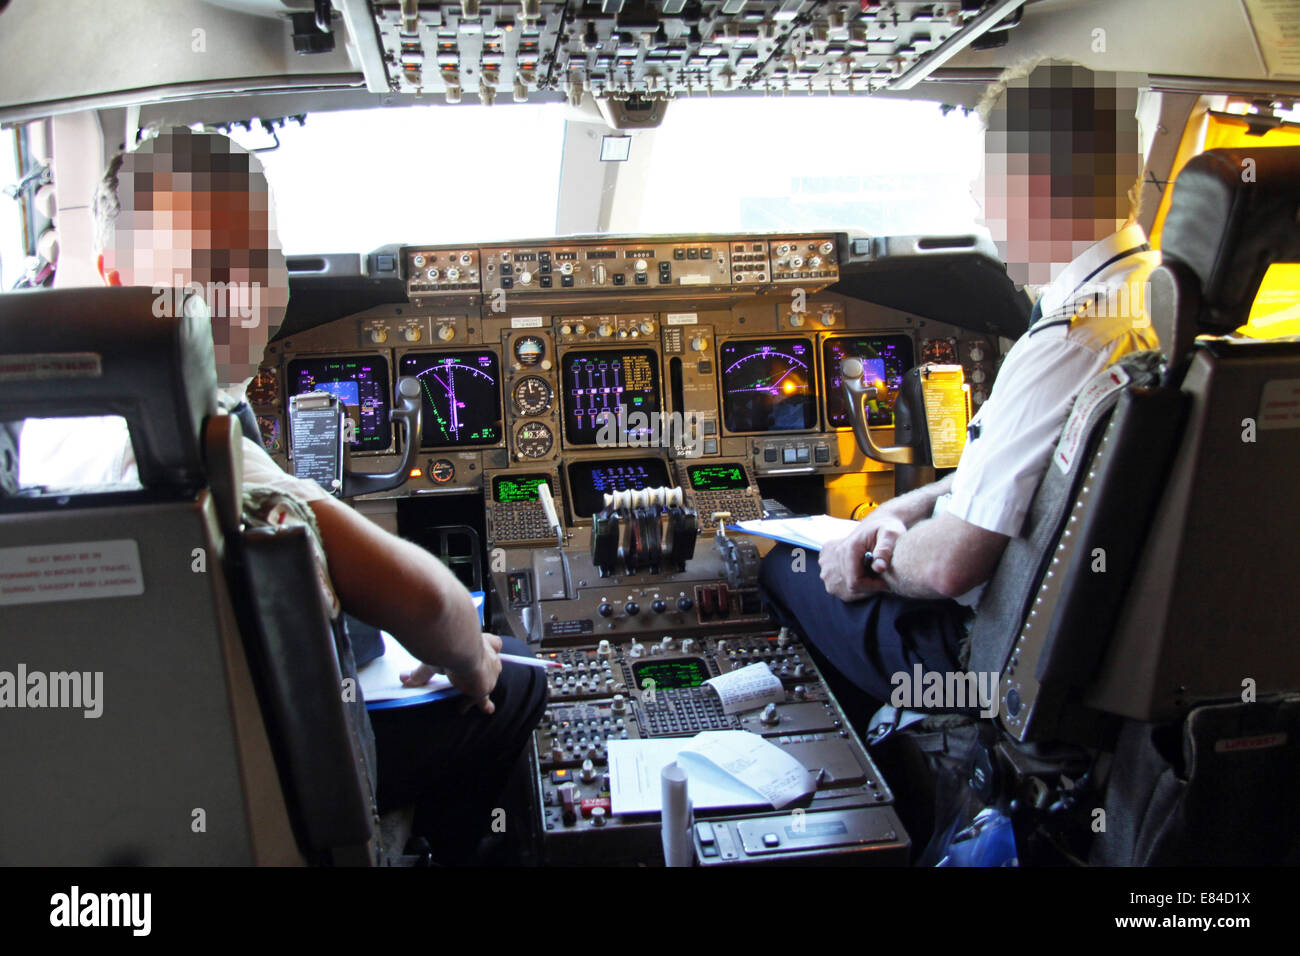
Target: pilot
{"points": [[1061, 191], [192, 208]]}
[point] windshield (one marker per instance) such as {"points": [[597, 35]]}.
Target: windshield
{"points": [[352, 181]]}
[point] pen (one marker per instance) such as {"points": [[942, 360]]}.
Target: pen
{"points": [[530, 661]]}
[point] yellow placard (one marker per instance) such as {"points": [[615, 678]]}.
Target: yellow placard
{"points": [[946, 412]]}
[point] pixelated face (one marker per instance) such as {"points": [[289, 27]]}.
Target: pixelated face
{"points": [[1061, 151], [195, 213]]}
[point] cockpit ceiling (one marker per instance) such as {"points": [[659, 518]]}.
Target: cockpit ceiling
{"points": [[630, 57]]}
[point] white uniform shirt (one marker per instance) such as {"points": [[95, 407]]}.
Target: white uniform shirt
{"points": [[1092, 314]]}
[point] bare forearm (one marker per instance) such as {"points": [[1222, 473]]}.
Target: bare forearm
{"points": [[911, 573], [918, 505], [399, 587]]}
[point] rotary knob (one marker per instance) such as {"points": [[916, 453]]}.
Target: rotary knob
{"points": [[453, 274], [525, 278], [796, 262], [379, 336], [636, 649], [432, 275], [796, 319], [632, 608], [770, 716], [826, 248], [605, 330], [658, 605], [976, 353], [684, 603], [446, 332], [646, 327], [603, 650], [566, 268], [815, 262], [619, 705], [411, 333], [605, 609], [639, 265], [699, 343], [418, 261]]}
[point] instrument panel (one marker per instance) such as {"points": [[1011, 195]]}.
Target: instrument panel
{"points": [[603, 384]]}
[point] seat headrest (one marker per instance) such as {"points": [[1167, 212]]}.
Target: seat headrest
{"points": [[134, 352], [1233, 213]]}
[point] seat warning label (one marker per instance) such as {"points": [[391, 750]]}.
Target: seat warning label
{"points": [[75, 571], [29, 368], [1075, 432], [1279, 405]]}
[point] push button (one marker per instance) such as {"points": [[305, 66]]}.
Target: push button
{"points": [[788, 456], [769, 454]]}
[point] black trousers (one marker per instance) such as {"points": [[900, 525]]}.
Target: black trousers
{"points": [[454, 767], [866, 641]]}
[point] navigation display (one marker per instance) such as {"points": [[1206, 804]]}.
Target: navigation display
{"points": [[462, 396], [518, 487], [609, 396], [768, 385], [885, 359], [590, 481], [362, 386]]}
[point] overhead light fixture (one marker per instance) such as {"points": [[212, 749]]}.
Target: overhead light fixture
{"points": [[615, 149]]}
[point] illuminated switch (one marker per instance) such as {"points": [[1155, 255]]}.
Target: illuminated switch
{"points": [[769, 454], [801, 456], [788, 456], [710, 446]]}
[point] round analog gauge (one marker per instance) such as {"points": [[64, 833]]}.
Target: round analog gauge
{"points": [[939, 352], [441, 471], [533, 396], [533, 440], [529, 350], [265, 388]]}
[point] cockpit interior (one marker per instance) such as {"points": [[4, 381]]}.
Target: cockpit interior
{"points": [[603, 368]]}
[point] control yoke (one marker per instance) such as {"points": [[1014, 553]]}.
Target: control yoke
{"points": [[407, 412], [857, 393]]}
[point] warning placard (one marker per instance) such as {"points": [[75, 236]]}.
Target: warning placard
{"points": [[1279, 405], [1092, 395], [70, 572]]}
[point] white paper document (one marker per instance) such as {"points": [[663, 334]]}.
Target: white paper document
{"points": [[747, 688], [811, 531], [381, 679], [724, 769]]}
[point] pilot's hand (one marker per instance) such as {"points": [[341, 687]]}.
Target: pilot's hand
{"points": [[475, 683], [842, 569], [478, 681]]}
